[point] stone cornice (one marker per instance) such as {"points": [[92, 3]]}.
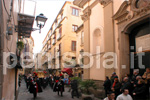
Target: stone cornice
{"points": [[132, 10], [86, 14], [80, 3], [105, 2]]}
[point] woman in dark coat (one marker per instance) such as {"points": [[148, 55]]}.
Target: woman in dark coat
{"points": [[139, 92]]}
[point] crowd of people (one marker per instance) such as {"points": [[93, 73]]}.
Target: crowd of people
{"points": [[36, 85], [135, 87]]}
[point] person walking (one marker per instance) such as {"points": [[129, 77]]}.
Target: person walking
{"points": [[28, 81], [51, 81], [45, 82], [107, 85], [125, 95], [35, 87], [61, 86], [74, 87]]}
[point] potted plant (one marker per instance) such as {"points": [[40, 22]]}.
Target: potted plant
{"points": [[20, 46], [85, 87], [76, 78]]}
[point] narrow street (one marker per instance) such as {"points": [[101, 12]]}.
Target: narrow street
{"points": [[47, 94]]}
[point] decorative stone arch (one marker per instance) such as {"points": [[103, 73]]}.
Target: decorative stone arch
{"points": [[98, 39], [130, 26], [128, 17]]}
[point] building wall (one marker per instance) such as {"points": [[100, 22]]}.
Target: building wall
{"points": [[96, 40], [7, 44], [67, 35], [29, 44], [100, 31], [122, 18], [80, 46]]}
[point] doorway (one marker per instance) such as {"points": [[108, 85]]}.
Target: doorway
{"points": [[140, 37]]}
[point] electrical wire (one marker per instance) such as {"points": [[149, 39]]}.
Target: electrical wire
{"points": [[5, 8], [13, 24], [13, 27]]}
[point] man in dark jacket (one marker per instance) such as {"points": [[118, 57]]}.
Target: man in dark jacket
{"points": [[74, 87], [35, 87], [61, 86], [28, 81], [113, 77], [51, 81], [107, 85], [126, 85], [45, 82], [139, 92], [135, 74]]}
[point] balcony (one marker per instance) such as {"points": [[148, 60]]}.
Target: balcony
{"points": [[59, 54], [60, 20], [59, 36], [25, 23], [49, 47], [80, 3], [49, 35], [49, 66], [43, 54], [53, 42]]}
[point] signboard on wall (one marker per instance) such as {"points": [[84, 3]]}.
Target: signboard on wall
{"points": [[144, 42]]}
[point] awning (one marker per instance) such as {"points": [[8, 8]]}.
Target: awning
{"points": [[67, 70]]}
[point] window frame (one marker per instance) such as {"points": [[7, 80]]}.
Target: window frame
{"points": [[82, 37], [60, 31], [75, 11], [74, 27], [73, 45]]}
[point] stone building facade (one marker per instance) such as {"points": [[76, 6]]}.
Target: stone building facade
{"points": [[61, 37], [28, 47], [7, 44], [115, 26], [10, 33]]}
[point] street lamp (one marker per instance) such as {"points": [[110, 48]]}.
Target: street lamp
{"points": [[41, 20]]}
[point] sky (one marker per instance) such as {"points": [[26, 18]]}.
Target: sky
{"points": [[50, 9]]}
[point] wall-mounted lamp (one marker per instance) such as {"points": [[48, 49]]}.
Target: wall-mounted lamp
{"points": [[25, 24], [41, 20]]}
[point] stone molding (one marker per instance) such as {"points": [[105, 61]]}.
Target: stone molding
{"points": [[132, 10], [80, 3], [105, 2], [86, 14]]}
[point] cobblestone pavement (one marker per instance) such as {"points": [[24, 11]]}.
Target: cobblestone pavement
{"points": [[47, 94]]}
